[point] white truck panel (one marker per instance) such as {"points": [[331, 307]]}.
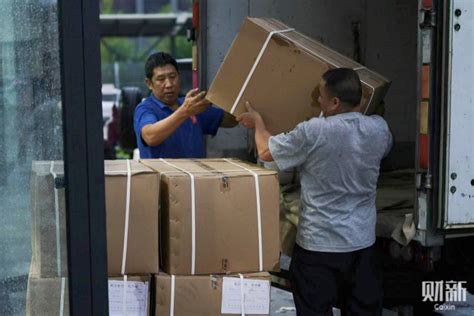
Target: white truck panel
{"points": [[460, 130]]}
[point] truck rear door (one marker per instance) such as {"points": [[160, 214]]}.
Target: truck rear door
{"points": [[457, 148]]}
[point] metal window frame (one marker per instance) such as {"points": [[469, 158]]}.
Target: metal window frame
{"points": [[79, 30]]}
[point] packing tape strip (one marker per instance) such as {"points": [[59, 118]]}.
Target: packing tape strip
{"points": [[368, 85], [62, 299], [56, 215], [127, 217], [193, 214], [370, 100], [124, 296], [254, 66], [175, 172], [144, 162], [242, 295], [173, 290], [259, 212]]}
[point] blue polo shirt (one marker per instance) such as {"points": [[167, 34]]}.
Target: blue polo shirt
{"points": [[188, 139]]}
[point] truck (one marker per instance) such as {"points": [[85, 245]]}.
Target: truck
{"points": [[426, 185]]}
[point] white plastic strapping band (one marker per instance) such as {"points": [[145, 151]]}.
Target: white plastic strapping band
{"points": [[124, 296], [259, 212], [242, 295], [56, 214], [173, 286], [63, 289], [193, 214], [252, 70], [371, 87], [127, 217], [370, 100]]}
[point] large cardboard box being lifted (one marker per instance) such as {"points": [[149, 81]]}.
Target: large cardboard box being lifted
{"points": [[284, 84], [213, 295], [217, 216]]}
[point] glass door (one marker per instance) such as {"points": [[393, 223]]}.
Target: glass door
{"points": [[52, 222]]}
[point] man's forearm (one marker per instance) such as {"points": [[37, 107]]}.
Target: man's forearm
{"points": [[155, 134], [261, 140]]}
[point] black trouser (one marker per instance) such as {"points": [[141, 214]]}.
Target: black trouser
{"points": [[351, 280]]}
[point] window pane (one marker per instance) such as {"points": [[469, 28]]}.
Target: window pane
{"points": [[32, 206]]}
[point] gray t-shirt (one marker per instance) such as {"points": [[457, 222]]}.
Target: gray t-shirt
{"points": [[339, 159]]}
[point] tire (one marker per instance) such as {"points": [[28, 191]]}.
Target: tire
{"points": [[131, 97]]}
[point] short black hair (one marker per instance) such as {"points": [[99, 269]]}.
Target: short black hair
{"points": [[159, 59], [344, 83]]}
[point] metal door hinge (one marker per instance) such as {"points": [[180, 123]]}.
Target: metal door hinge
{"points": [[427, 18], [428, 181]]}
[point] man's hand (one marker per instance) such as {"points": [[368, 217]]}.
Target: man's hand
{"points": [[194, 103], [249, 118], [252, 119]]}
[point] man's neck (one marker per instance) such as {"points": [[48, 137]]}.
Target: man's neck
{"points": [[173, 107], [343, 110]]}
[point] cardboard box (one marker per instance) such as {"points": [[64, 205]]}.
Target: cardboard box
{"points": [[48, 219], [50, 296], [284, 85], [142, 246], [205, 295], [226, 220], [47, 296]]}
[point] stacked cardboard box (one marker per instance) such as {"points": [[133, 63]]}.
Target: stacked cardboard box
{"points": [[49, 253], [280, 77], [48, 218], [212, 295], [218, 216], [234, 230], [143, 233], [50, 296]]}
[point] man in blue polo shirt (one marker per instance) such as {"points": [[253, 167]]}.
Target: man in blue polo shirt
{"points": [[169, 126]]}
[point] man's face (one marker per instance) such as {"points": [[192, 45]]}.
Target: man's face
{"points": [[165, 84], [329, 104]]}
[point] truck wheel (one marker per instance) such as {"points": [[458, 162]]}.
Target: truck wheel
{"points": [[131, 97]]}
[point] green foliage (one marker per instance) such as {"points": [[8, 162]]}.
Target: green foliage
{"points": [[183, 47], [107, 6], [122, 154], [166, 8], [117, 49]]}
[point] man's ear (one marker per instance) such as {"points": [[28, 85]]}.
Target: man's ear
{"points": [[335, 103], [148, 83]]}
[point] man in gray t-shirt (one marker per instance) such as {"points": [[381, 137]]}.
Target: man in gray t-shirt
{"points": [[338, 157]]}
